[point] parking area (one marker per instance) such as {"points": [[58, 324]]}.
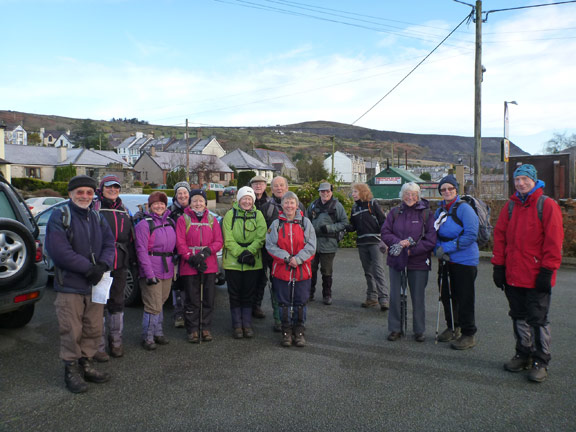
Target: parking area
{"points": [[348, 378]]}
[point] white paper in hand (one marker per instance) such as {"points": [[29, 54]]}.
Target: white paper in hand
{"points": [[101, 291]]}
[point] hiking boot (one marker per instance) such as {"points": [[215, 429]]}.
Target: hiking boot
{"points": [[148, 346], [161, 340], [518, 363], [115, 351], [394, 336], [446, 335], [193, 337], [538, 373], [179, 321], [286, 338], [101, 356], [73, 377], [207, 336], [257, 312], [237, 333], [464, 342], [327, 300], [91, 374], [248, 332], [370, 303], [299, 340], [419, 337], [385, 306]]}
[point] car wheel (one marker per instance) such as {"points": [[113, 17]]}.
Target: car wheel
{"points": [[17, 251], [132, 289], [18, 318]]}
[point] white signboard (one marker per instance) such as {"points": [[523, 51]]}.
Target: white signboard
{"points": [[388, 180]]}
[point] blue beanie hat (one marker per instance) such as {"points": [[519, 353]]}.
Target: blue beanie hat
{"points": [[527, 170], [449, 179], [202, 193]]}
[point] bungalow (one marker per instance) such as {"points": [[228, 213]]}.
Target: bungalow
{"points": [[242, 161], [279, 160]]}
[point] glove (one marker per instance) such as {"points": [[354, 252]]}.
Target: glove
{"points": [[383, 247], [349, 228], [324, 229], [246, 257], [499, 276], [411, 241], [94, 275], [152, 281], [544, 280], [194, 260], [206, 252], [202, 266], [395, 249], [250, 260], [440, 254]]}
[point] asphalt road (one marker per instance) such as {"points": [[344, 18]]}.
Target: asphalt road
{"points": [[348, 378]]}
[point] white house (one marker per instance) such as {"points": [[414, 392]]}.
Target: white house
{"points": [[16, 136], [347, 167]]}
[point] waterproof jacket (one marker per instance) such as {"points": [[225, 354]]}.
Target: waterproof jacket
{"points": [[318, 213], [417, 222], [525, 243], [287, 239], [242, 230], [193, 235], [120, 223], [271, 207], [71, 249], [459, 241], [176, 210], [367, 219], [155, 250]]}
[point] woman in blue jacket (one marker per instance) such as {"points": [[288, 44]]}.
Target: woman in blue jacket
{"points": [[457, 250]]}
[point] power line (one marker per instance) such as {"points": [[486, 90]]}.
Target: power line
{"points": [[524, 7], [468, 18]]}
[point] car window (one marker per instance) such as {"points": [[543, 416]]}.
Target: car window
{"points": [[42, 219], [6, 210], [51, 201]]}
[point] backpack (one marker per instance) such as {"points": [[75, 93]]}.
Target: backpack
{"points": [[482, 210], [67, 220], [189, 222], [153, 227], [331, 210], [539, 206]]}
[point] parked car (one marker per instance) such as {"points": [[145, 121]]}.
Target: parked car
{"points": [[37, 204], [230, 191], [213, 187], [22, 271], [133, 203]]}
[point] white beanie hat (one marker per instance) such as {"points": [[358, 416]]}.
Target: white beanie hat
{"points": [[246, 190]]}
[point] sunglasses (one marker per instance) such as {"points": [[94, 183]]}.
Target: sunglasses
{"points": [[448, 189]]}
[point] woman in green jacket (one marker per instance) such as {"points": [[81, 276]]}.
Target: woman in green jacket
{"points": [[244, 230]]}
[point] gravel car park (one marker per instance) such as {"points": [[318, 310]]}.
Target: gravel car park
{"points": [[22, 271]]}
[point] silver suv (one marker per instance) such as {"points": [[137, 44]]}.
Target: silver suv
{"points": [[22, 271]]}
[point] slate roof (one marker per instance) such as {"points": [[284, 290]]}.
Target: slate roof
{"points": [[170, 160], [274, 157], [242, 160]]}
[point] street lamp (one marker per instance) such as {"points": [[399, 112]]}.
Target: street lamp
{"points": [[506, 146]]}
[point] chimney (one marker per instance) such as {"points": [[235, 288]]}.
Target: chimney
{"points": [[62, 154], [153, 151]]}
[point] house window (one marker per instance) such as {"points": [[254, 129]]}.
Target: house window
{"points": [[222, 176], [33, 173]]}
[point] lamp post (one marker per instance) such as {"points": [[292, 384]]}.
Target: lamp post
{"points": [[506, 146]]}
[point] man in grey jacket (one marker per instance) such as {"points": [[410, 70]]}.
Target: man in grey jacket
{"points": [[329, 220]]}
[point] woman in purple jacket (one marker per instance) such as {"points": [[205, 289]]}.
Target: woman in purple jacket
{"points": [[155, 243], [410, 236]]}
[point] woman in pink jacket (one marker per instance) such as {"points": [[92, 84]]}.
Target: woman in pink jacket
{"points": [[198, 239]]}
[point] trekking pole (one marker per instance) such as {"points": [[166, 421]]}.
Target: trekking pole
{"points": [[447, 278], [201, 307], [292, 285], [440, 269], [403, 302]]}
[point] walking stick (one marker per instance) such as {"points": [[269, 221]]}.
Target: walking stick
{"points": [[447, 276], [201, 306], [440, 270], [403, 302]]}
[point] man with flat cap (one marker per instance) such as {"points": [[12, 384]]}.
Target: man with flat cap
{"points": [[81, 244]]}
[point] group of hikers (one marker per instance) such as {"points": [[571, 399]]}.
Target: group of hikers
{"points": [[274, 240]]}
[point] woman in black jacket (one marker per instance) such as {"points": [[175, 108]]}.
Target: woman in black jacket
{"points": [[367, 218]]}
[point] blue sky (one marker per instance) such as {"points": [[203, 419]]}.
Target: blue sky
{"points": [[268, 62]]}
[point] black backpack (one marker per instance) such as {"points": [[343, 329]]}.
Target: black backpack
{"points": [[482, 210]]}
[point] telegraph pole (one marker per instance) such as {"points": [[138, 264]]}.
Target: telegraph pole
{"points": [[333, 150], [187, 155], [478, 70]]}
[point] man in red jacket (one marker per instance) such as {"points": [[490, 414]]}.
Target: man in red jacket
{"points": [[527, 252]]}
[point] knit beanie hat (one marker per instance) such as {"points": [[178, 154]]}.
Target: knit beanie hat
{"points": [[246, 190], [527, 170], [201, 192], [81, 181], [451, 180], [157, 196], [181, 184]]}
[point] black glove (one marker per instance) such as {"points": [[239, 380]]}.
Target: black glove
{"points": [[324, 229], [206, 252], [246, 257], [94, 275], [350, 228], [195, 260], [499, 276], [544, 280], [152, 281], [440, 254], [202, 266]]}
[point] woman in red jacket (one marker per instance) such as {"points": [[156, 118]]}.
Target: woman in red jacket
{"points": [[198, 239], [527, 252]]}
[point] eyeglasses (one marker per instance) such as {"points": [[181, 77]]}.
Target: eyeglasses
{"points": [[447, 189]]}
